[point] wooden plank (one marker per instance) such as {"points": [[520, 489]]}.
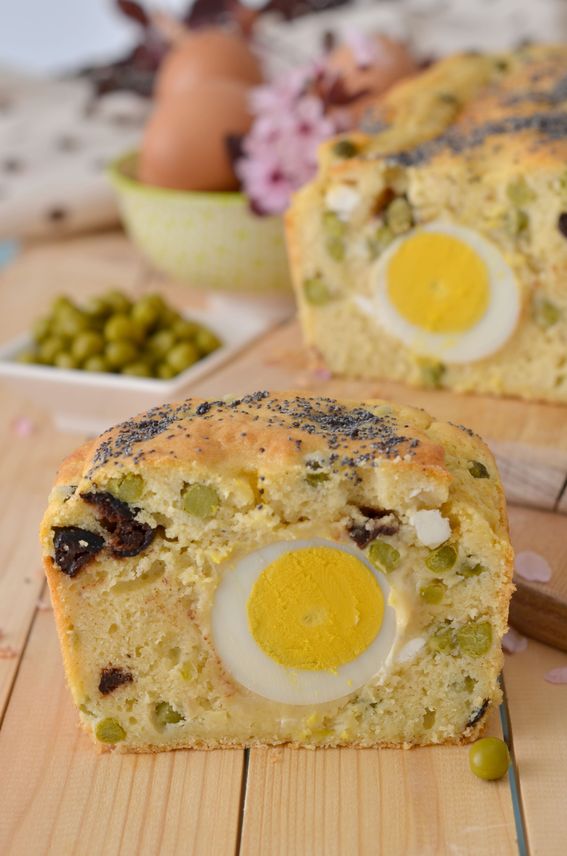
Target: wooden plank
{"points": [[539, 610], [27, 464], [59, 797], [538, 716], [331, 802]]}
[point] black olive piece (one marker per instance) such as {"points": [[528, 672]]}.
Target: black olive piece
{"points": [[74, 547], [562, 223], [477, 714], [113, 677], [364, 533], [129, 536]]}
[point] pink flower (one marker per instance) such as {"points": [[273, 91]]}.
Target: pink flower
{"points": [[280, 151], [266, 184]]}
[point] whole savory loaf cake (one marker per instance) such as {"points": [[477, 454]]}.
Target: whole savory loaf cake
{"points": [[434, 250], [280, 568]]}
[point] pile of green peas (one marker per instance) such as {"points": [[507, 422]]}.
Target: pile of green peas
{"points": [[112, 333]]}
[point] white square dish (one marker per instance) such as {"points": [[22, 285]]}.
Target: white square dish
{"points": [[90, 402]]}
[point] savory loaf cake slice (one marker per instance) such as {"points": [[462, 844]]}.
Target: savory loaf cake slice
{"points": [[434, 251], [280, 568]]}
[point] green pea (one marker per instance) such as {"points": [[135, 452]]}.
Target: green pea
{"points": [[316, 291], [120, 327], [383, 556], [166, 714], [96, 364], [335, 248], [517, 221], [119, 354], [28, 356], [471, 570], [128, 488], [478, 470], [70, 322], [429, 718], [443, 640], [165, 372], [117, 300], [162, 342], [206, 341], [442, 559], [433, 592], [185, 330], [62, 304], [315, 479], [333, 226], [65, 361], [489, 758], [345, 149], [97, 308], [200, 500], [41, 329], [109, 731], [49, 349], [382, 238], [86, 345], [182, 356], [519, 193], [432, 373], [137, 369], [546, 313], [146, 313], [475, 638], [399, 216]]}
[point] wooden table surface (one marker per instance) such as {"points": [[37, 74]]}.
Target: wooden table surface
{"points": [[57, 796]]}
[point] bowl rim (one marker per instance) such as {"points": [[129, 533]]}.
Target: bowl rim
{"points": [[116, 172]]}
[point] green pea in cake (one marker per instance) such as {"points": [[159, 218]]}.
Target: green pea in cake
{"points": [[280, 568], [434, 250]]}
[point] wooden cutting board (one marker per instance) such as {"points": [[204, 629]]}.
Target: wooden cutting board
{"points": [[58, 797]]}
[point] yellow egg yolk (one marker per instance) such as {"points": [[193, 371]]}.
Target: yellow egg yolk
{"points": [[438, 282], [315, 608]]}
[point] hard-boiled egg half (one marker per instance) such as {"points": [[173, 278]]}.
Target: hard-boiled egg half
{"points": [[445, 291], [303, 622]]}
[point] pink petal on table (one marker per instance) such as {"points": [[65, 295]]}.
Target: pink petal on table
{"points": [[22, 426], [8, 653], [557, 676], [513, 642], [532, 567]]}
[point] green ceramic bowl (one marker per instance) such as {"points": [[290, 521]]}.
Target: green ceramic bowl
{"points": [[207, 239]]}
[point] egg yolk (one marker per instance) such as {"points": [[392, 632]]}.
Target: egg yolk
{"points": [[438, 283], [315, 608]]}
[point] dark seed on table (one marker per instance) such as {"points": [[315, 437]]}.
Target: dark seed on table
{"points": [[75, 547], [113, 677]]}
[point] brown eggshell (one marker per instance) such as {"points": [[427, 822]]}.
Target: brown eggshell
{"points": [[204, 55], [393, 61], [184, 144]]}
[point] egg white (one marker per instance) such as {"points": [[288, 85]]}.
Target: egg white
{"points": [[485, 338], [250, 666]]}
